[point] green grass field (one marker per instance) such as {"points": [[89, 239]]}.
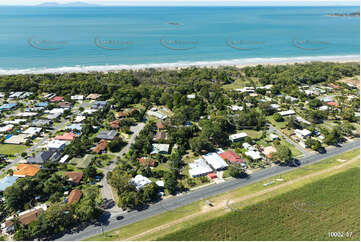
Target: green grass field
{"points": [[308, 213], [10, 149]]}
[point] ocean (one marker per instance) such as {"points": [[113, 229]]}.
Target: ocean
{"points": [[66, 39]]}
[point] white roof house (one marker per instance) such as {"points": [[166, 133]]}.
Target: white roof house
{"points": [[286, 113], [160, 148], [77, 97], [275, 106], [215, 161], [247, 146], [140, 181], [236, 108], [79, 119], [245, 89], [157, 114], [324, 108], [302, 133], [160, 183], [199, 168], [6, 128], [237, 137], [32, 131], [26, 114], [273, 136], [302, 120], [191, 96], [255, 155], [64, 159], [57, 144]]}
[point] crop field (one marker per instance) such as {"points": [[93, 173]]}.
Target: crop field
{"points": [[311, 212]]}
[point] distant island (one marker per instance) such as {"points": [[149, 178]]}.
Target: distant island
{"points": [[355, 14], [72, 4]]}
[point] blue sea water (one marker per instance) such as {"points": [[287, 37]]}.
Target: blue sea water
{"points": [[77, 38]]}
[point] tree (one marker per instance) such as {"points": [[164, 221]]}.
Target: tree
{"points": [[236, 170], [283, 154], [333, 137], [90, 172], [278, 117], [170, 183], [313, 144], [115, 145]]}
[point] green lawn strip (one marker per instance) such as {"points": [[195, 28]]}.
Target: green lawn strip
{"points": [[294, 150], [333, 207], [144, 225], [11, 149]]}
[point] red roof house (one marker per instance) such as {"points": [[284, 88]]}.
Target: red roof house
{"points": [[231, 156], [56, 99], [66, 136], [332, 104]]}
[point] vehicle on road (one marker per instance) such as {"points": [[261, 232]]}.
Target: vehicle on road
{"points": [[119, 217]]}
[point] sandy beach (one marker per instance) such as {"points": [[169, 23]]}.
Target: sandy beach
{"points": [[239, 63]]}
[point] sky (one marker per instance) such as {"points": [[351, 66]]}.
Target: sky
{"points": [[193, 2]]}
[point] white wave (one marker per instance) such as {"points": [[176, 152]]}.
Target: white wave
{"points": [[232, 62]]}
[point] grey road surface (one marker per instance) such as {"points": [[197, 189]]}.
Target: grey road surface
{"points": [[202, 193]]}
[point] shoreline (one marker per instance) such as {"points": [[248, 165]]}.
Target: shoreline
{"points": [[238, 63]]}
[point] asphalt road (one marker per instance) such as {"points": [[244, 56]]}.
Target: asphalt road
{"points": [[106, 189], [195, 195]]}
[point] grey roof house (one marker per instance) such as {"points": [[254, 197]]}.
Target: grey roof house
{"points": [[107, 134], [44, 156]]}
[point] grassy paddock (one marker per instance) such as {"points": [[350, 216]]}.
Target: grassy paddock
{"points": [[167, 217], [308, 213], [11, 149]]}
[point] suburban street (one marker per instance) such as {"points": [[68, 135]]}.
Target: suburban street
{"points": [[42, 141], [111, 223], [106, 188], [272, 129]]}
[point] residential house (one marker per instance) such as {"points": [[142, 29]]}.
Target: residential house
{"points": [[74, 177], [140, 181], [114, 124], [99, 104], [237, 137], [160, 135], [7, 182], [287, 113], [160, 149], [32, 131], [24, 218], [303, 133], [254, 155], [23, 170], [157, 114], [147, 161], [107, 134], [56, 99], [17, 139], [269, 151], [74, 196], [66, 136], [199, 168], [76, 127], [93, 96], [274, 137], [44, 156], [215, 161], [77, 97], [231, 156], [7, 106], [57, 145], [100, 147]]}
